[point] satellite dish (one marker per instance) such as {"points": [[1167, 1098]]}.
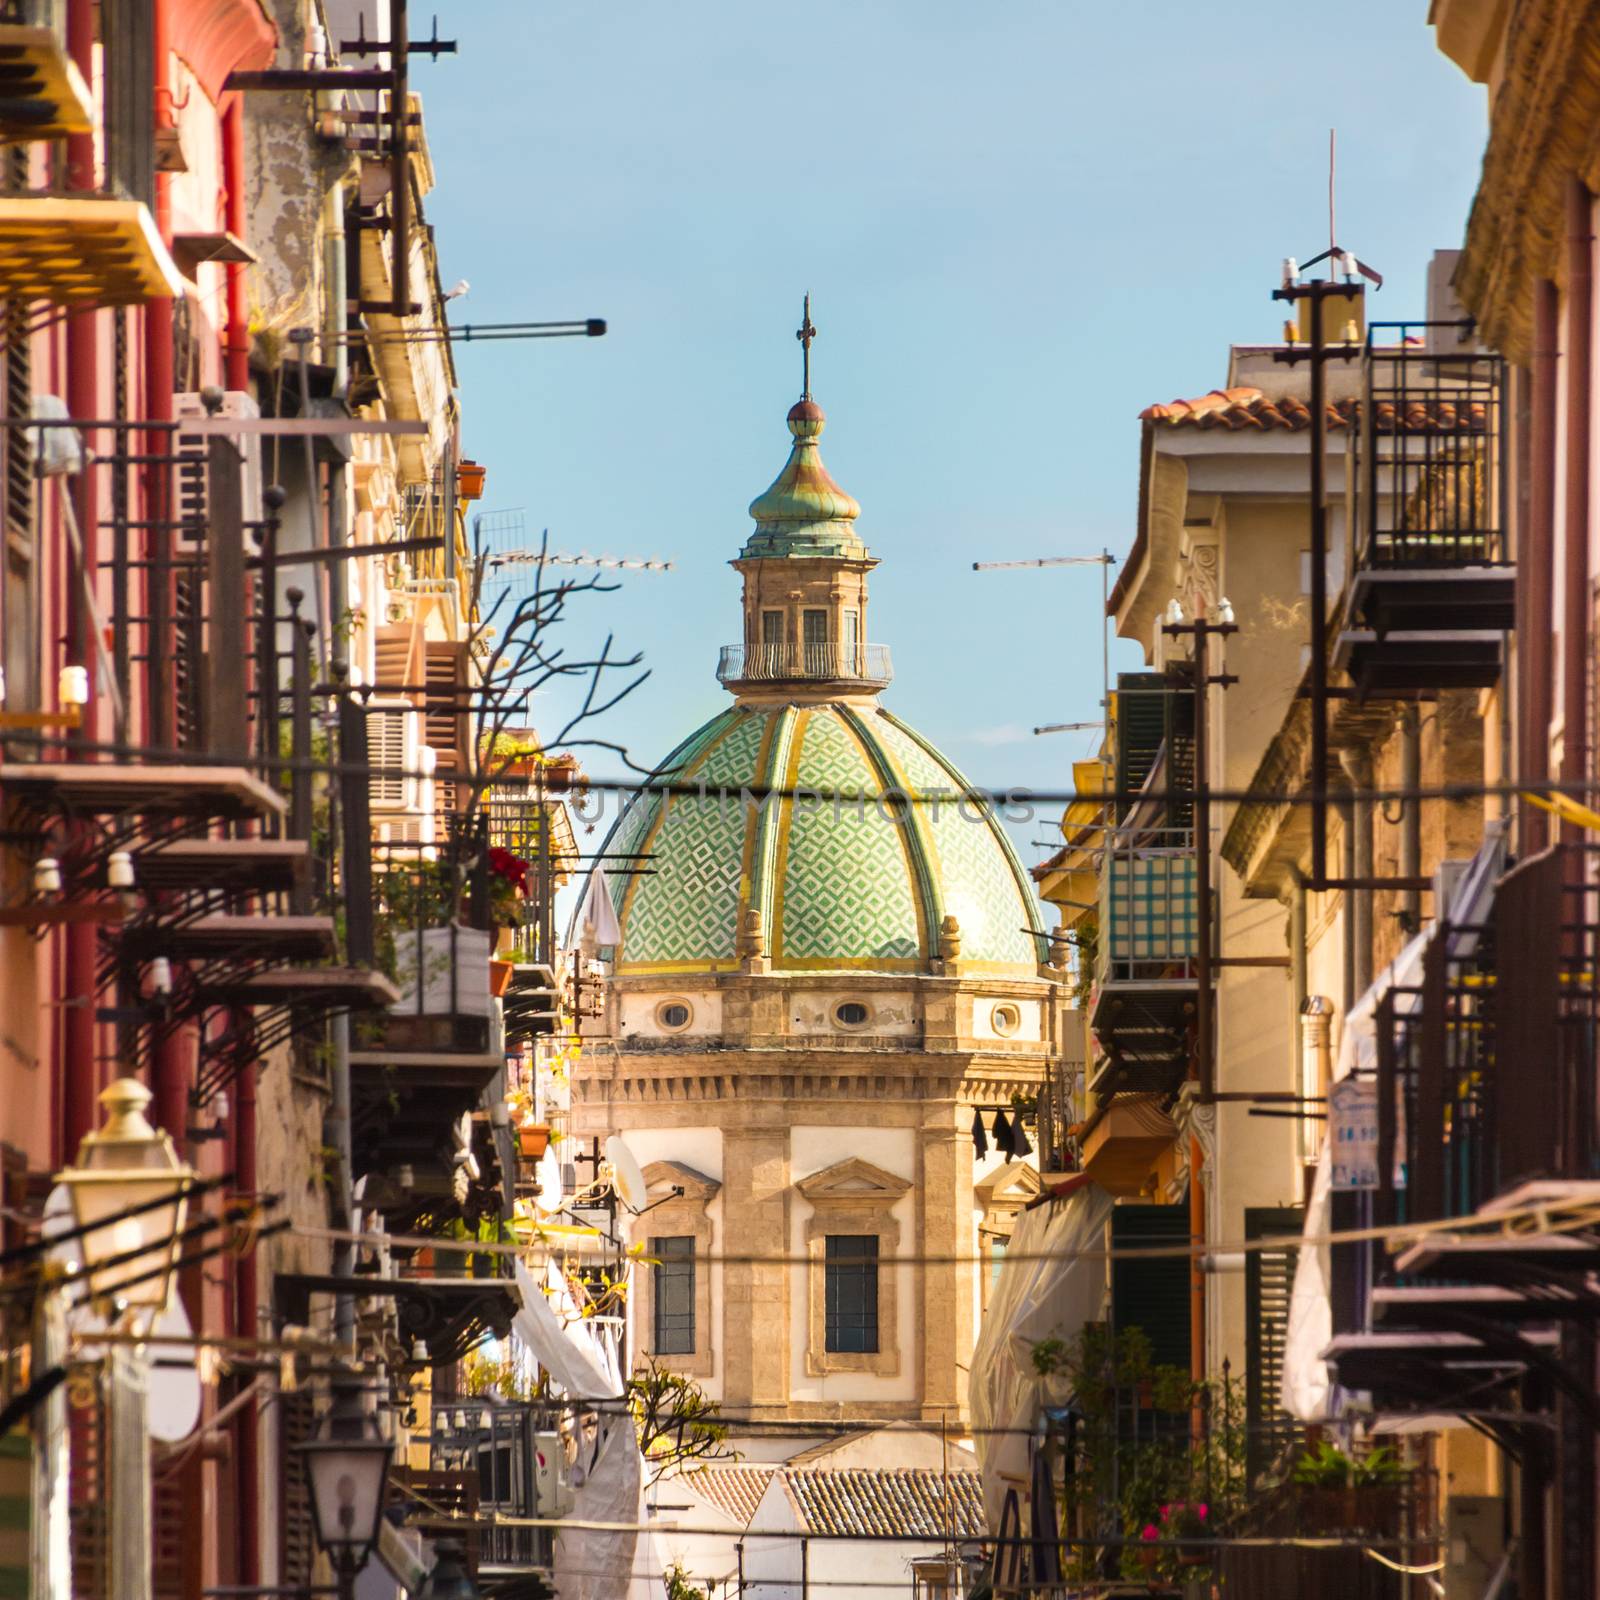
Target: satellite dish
{"points": [[174, 1381], [626, 1177], [552, 1191]]}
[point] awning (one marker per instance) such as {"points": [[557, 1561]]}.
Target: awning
{"points": [[1046, 1289], [1307, 1391]]}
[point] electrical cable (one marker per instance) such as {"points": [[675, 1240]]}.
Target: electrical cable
{"points": [[1398, 1234], [1016, 795]]}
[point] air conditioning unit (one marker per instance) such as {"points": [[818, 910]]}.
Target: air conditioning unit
{"points": [[394, 741], [235, 403], [552, 1485]]}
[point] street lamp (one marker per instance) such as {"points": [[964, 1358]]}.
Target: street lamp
{"points": [[130, 1239], [348, 1468]]}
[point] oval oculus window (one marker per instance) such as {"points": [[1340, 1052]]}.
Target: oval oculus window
{"points": [[851, 1013], [673, 1014], [1006, 1019]]}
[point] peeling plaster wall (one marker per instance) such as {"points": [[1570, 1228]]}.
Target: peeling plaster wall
{"points": [[891, 1014], [287, 174], [637, 1014]]}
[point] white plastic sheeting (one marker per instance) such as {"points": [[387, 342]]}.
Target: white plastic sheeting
{"points": [[1307, 1391], [1046, 1289], [594, 1565], [567, 1350]]}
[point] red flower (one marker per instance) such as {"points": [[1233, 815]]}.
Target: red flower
{"points": [[512, 868], [1150, 1531]]}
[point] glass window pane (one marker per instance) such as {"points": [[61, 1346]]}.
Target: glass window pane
{"points": [[674, 1286], [850, 1287]]}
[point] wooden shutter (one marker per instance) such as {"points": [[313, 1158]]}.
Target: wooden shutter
{"points": [[445, 717], [1268, 1286], [297, 1424], [1152, 1294], [1155, 710]]}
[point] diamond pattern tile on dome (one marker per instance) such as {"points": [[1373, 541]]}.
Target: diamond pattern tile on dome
{"points": [[686, 913], [628, 833], [978, 882], [847, 887]]}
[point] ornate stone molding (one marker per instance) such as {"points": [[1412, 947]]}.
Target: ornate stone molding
{"points": [[680, 1217], [853, 1197]]}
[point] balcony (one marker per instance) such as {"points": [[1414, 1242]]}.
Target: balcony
{"points": [[42, 93], [1143, 1006], [1433, 589], [1486, 1073], [70, 250], [863, 665]]}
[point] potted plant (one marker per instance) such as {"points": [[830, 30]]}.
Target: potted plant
{"points": [[533, 1139], [1345, 1493], [500, 975], [1186, 1520], [469, 480]]}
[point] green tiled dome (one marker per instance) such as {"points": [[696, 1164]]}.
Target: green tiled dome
{"points": [[860, 882]]}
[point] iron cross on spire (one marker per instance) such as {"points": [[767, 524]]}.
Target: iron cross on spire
{"points": [[805, 334]]}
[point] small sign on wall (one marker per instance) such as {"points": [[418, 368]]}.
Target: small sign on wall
{"points": [[1353, 1135]]}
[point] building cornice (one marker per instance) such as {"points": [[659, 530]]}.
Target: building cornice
{"points": [[1543, 130]]}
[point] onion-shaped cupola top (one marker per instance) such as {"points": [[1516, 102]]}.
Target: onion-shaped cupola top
{"points": [[804, 512]]}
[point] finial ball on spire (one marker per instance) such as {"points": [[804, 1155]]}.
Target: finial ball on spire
{"points": [[806, 419]]}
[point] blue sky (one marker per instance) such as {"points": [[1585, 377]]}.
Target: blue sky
{"points": [[1020, 224]]}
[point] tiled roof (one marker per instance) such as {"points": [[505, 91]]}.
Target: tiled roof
{"points": [[897, 1502], [734, 1489], [1241, 409]]}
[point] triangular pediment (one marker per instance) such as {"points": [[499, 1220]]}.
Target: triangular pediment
{"points": [[1016, 1183], [661, 1177], [852, 1180]]}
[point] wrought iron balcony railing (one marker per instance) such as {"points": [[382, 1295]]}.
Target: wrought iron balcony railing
{"points": [[1431, 447], [798, 663]]}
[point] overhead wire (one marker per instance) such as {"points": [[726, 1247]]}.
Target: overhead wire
{"points": [[1528, 788], [1555, 1220]]}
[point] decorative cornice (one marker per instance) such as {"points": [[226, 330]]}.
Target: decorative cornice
{"points": [[1542, 132], [852, 1182]]}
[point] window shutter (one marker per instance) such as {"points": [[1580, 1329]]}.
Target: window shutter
{"points": [[1268, 1285], [1152, 1294], [297, 1423]]}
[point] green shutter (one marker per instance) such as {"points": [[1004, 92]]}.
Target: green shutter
{"points": [[1152, 1294], [1154, 709], [1268, 1286]]}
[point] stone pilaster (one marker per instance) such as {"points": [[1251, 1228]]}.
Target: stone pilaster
{"points": [[755, 1312], [945, 1295]]}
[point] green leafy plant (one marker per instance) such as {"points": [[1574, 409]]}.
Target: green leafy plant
{"points": [[679, 1423], [678, 1585], [1138, 1470], [1326, 1466]]}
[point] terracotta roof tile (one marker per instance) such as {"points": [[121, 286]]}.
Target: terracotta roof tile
{"points": [[1244, 408], [897, 1502], [734, 1489]]}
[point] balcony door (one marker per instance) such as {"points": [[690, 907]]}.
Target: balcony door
{"points": [[814, 637]]}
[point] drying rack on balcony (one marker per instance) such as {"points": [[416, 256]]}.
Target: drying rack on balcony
{"points": [[1143, 1005]]}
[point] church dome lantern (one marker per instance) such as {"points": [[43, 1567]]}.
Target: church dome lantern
{"points": [[806, 827]]}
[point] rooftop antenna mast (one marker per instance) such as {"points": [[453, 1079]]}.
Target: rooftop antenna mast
{"points": [[1105, 561]]}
